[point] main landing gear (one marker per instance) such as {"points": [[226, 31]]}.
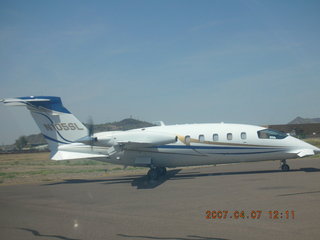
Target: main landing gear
{"points": [[155, 172], [284, 166]]}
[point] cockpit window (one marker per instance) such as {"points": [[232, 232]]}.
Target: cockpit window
{"points": [[271, 134]]}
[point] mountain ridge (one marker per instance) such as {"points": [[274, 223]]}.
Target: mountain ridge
{"points": [[300, 120]]}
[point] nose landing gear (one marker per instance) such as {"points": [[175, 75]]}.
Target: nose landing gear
{"points": [[155, 172], [284, 166]]}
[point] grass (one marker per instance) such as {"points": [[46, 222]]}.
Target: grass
{"points": [[42, 159], [47, 172], [313, 141], [36, 167]]}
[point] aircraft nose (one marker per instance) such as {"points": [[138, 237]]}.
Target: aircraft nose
{"points": [[302, 148], [316, 150]]}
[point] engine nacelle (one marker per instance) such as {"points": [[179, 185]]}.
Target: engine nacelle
{"points": [[130, 138]]}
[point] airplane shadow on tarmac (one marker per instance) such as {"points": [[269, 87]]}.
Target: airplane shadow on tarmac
{"points": [[142, 181], [138, 181]]}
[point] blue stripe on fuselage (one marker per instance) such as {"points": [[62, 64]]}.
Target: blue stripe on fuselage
{"points": [[244, 153], [269, 150], [209, 147]]}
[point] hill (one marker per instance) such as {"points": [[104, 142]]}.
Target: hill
{"points": [[300, 120], [125, 124]]}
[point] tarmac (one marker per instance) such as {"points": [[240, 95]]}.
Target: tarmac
{"points": [[175, 207]]}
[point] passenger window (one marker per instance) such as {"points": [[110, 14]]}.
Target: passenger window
{"points": [[215, 137], [201, 138], [243, 135], [229, 136], [187, 140]]}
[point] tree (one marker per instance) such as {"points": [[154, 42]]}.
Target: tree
{"points": [[21, 142]]}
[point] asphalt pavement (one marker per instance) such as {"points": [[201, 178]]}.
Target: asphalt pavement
{"points": [[237, 201]]}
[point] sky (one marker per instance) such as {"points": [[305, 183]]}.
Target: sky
{"points": [[245, 61]]}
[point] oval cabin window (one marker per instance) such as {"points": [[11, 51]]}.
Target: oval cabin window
{"points": [[215, 137], [229, 136], [243, 135], [187, 140]]}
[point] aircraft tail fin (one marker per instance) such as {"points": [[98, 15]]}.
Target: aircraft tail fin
{"points": [[56, 123]]}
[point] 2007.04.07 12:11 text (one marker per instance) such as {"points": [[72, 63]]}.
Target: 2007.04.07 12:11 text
{"points": [[253, 214]]}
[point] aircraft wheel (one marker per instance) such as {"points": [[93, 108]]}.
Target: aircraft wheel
{"points": [[285, 167], [153, 174]]}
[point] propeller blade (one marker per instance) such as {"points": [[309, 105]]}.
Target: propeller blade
{"points": [[90, 127]]}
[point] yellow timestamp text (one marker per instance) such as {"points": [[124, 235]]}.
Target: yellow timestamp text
{"points": [[249, 214]]}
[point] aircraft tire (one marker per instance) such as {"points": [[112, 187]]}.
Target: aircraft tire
{"points": [[285, 167]]}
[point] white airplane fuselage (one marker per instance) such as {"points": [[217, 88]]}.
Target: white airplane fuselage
{"points": [[243, 145]]}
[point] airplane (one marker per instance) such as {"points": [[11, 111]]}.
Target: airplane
{"points": [[159, 147]]}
